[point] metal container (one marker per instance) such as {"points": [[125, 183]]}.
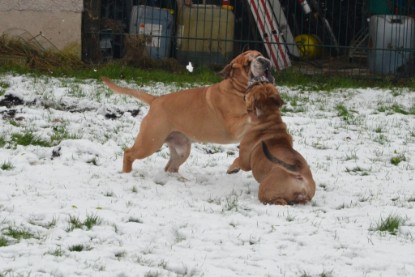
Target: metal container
{"points": [[391, 42], [205, 34], [155, 25]]}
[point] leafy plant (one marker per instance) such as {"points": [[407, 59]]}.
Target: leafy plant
{"points": [[60, 133], [18, 234], [389, 224], [398, 159], [76, 248], [2, 141], [343, 112], [358, 171], [29, 138], [74, 223], [3, 242], [58, 252], [7, 166], [89, 222]]}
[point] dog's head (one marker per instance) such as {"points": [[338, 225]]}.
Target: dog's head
{"points": [[263, 99], [250, 64]]}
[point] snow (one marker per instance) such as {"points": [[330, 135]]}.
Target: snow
{"points": [[202, 222]]}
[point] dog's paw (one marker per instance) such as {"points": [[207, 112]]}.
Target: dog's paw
{"points": [[232, 170]]}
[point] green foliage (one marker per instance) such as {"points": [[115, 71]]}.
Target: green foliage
{"points": [[7, 166], [29, 138], [88, 223], [76, 248], [18, 234], [2, 142], [343, 112], [60, 133], [74, 223], [3, 87], [395, 160], [91, 221], [3, 242], [396, 108], [357, 171], [389, 224], [58, 252]]}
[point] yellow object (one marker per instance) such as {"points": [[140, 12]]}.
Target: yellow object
{"points": [[228, 7], [309, 46]]}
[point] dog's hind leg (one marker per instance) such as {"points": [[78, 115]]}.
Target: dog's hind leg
{"points": [[150, 139], [180, 147]]}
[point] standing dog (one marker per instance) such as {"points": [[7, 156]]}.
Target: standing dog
{"points": [[215, 114], [283, 180]]}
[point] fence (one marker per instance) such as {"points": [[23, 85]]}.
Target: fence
{"points": [[364, 37]]}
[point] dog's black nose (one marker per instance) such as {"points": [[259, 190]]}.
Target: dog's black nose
{"points": [[265, 62]]}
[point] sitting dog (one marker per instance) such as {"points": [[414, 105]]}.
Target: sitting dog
{"points": [[284, 176], [215, 114]]}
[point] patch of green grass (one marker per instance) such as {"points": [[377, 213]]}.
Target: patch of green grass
{"points": [[293, 103], [74, 223], [29, 138], [92, 161], [3, 87], [6, 166], [358, 171], [135, 220], [395, 160], [18, 234], [60, 133], [381, 139], [343, 112], [378, 130], [396, 108], [58, 252], [351, 156], [2, 141], [231, 203], [89, 222], [3, 241], [389, 224], [76, 248], [120, 254]]}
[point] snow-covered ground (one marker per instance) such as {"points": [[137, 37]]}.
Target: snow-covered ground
{"points": [[67, 210]]}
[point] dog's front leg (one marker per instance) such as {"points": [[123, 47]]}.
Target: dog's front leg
{"points": [[234, 167]]}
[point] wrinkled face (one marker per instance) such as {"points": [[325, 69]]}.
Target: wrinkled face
{"points": [[261, 67], [248, 65]]}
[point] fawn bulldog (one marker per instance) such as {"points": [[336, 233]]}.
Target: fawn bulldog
{"points": [[267, 149], [215, 114]]}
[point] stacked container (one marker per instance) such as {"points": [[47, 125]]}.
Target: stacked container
{"points": [[391, 42], [205, 34], [155, 25]]}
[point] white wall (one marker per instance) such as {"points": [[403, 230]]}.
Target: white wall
{"points": [[57, 20]]}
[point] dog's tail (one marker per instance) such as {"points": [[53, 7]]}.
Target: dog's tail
{"points": [[139, 94], [292, 168]]}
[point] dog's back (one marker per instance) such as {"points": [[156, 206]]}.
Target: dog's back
{"points": [[282, 172]]}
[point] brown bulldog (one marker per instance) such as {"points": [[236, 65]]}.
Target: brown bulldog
{"points": [[215, 114], [267, 150]]}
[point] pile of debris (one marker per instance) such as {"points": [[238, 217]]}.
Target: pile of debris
{"points": [[19, 47]]}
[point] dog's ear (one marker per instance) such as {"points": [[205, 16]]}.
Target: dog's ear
{"points": [[277, 100], [226, 72]]}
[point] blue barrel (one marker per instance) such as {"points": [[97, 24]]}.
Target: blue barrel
{"points": [[155, 25]]}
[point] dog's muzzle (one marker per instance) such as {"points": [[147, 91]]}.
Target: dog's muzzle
{"points": [[261, 68]]}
